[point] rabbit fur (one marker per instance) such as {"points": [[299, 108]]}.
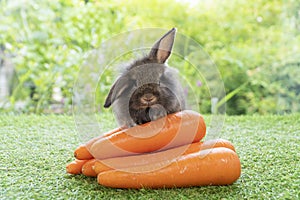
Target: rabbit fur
{"points": [[148, 89]]}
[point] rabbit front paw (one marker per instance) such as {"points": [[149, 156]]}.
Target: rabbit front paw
{"points": [[156, 112]]}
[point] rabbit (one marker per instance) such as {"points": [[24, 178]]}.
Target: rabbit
{"points": [[148, 89]]}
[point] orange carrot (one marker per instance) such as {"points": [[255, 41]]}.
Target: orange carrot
{"points": [[75, 166], [88, 169], [156, 157], [82, 152], [219, 143], [208, 144], [141, 159], [174, 130], [216, 166]]}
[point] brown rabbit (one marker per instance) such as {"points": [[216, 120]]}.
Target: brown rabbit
{"points": [[148, 89]]}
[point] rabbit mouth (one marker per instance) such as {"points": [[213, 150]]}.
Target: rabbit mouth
{"points": [[143, 102], [148, 101], [147, 105]]}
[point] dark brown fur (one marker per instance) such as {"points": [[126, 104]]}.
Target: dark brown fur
{"points": [[148, 89]]}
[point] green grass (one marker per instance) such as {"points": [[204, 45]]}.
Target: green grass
{"points": [[35, 149]]}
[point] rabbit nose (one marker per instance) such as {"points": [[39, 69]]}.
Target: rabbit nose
{"points": [[148, 98]]}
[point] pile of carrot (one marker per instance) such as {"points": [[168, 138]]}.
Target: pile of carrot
{"points": [[164, 153]]}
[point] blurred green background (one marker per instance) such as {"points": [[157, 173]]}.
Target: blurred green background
{"points": [[255, 44]]}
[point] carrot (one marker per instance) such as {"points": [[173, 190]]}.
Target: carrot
{"points": [[75, 166], [216, 166], [213, 143], [174, 130], [82, 152], [141, 159], [156, 157], [88, 169]]}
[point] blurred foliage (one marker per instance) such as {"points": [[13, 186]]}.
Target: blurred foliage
{"points": [[254, 42]]}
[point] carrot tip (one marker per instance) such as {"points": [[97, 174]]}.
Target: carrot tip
{"points": [[82, 153]]}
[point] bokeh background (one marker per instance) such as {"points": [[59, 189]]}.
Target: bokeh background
{"points": [[255, 45]]}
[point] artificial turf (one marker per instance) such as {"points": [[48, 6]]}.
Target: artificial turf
{"points": [[36, 148]]}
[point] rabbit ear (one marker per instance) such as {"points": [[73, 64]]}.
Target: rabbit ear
{"points": [[116, 90], [161, 50], [109, 99]]}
